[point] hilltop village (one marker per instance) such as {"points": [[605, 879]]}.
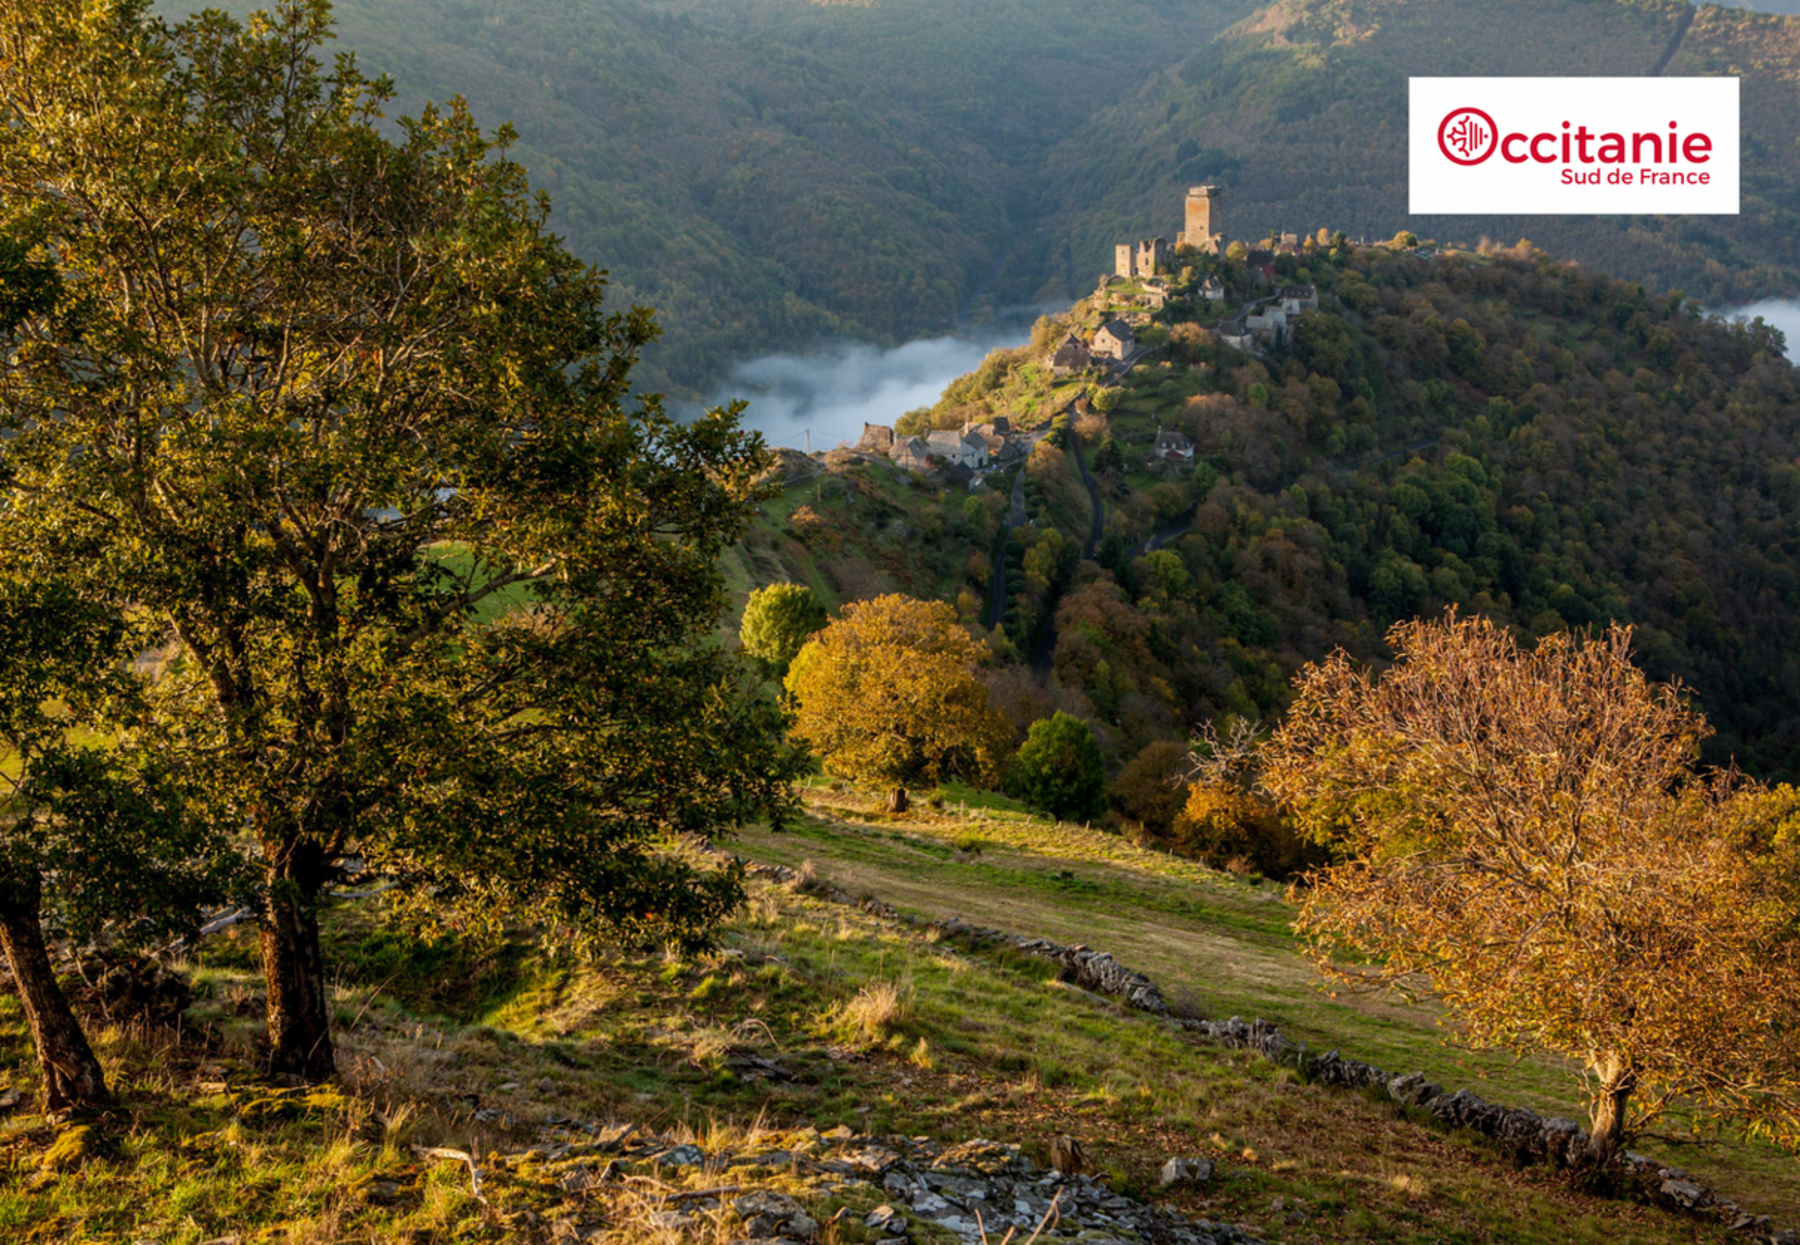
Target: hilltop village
{"points": [[1230, 289]]}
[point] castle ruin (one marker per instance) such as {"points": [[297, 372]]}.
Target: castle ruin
{"points": [[1143, 259], [1205, 230]]}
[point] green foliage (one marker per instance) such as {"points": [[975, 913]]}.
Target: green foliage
{"points": [[778, 620], [768, 174], [1058, 769], [1309, 95], [314, 420]]}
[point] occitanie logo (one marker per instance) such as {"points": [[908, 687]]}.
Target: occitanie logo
{"points": [[1467, 136]]}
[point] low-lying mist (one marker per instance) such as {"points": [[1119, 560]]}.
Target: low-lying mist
{"points": [[1783, 313], [832, 392]]}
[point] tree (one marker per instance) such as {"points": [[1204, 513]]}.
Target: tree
{"points": [[82, 832], [1058, 769], [778, 620], [889, 692], [342, 421], [1523, 832], [95, 836], [1151, 786]]}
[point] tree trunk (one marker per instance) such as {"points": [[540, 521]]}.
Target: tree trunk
{"points": [[294, 970], [73, 1080], [1609, 1112], [897, 800]]}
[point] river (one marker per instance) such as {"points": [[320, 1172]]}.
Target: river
{"points": [[824, 397]]}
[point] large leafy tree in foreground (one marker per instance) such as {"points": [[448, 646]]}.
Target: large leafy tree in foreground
{"points": [[1523, 834], [341, 418]]}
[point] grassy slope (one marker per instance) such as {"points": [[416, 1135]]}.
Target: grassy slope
{"points": [[980, 1044], [1219, 941]]}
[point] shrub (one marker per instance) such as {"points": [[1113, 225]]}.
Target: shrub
{"points": [[1232, 829], [1058, 769]]}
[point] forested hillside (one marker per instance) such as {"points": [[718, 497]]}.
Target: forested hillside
{"points": [[775, 174], [1301, 112], [1507, 433]]}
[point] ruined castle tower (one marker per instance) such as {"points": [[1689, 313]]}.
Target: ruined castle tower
{"points": [[1205, 231]]}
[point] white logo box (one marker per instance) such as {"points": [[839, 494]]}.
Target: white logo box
{"points": [[1494, 146]]}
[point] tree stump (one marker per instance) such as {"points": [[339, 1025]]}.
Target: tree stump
{"points": [[897, 800]]}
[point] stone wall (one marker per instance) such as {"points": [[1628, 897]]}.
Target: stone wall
{"points": [[1529, 1136]]}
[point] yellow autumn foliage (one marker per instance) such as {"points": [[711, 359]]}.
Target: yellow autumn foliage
{"points": [[1523, 833], [890, 692]]}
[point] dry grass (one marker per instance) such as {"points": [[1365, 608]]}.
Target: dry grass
{"points": [[1215, 944], [875, 1012], [971, 1043]]}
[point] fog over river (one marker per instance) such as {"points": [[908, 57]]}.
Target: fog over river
{"points": [[1783, 313], [833, 392], [830, 393]]}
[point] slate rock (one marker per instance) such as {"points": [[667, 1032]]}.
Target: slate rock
{"points": [[1185, 1171], [886, 1219]]}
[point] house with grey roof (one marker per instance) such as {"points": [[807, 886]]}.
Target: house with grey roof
{"points": [[1113, 340], [957, 447]]}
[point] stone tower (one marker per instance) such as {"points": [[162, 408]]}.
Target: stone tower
{"points": [[1204, 231]]}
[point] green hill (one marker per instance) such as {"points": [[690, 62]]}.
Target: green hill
{"points": [[774, 173], [771, 174], [1506, 432], [1300, 111]]}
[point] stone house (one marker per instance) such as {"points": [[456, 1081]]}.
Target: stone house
{"points": [[1298, 298], [1071, 357], [912, 454], [957, 447], [1172, 446], [1260, 263], [1268, 326], [876, 439], [1212, 290], [991, 435], [1113, 340], [1236, 334]]}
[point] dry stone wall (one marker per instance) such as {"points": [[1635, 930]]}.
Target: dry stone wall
{"points": [[1529, 1136]]}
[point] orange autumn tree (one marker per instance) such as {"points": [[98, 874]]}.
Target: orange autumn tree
{"points": [[1523, 835], [889, 692]]}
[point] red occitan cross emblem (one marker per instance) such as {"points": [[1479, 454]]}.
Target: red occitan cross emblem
{"points": [[1467, 136]]}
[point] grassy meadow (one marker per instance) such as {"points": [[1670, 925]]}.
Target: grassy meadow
{"points": [[887, 1027]]}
